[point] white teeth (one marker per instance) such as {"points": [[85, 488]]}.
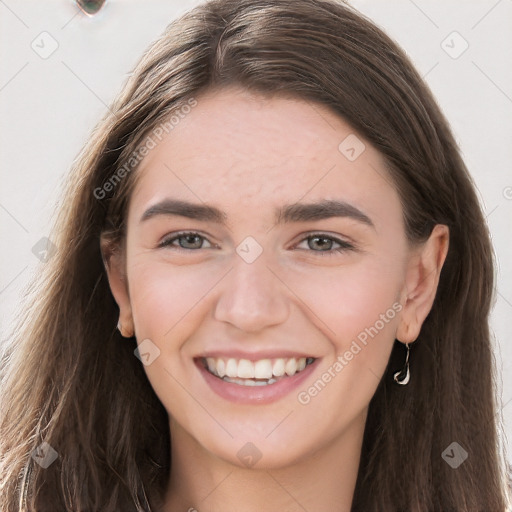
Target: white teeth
{"points": [[250, 382], [278, 368], [245, 369], [232, 368], [262, 369], [220, 367], [290, 367]]}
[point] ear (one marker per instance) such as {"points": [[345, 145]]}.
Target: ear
{"points": [[422, 279], [114, 261]]}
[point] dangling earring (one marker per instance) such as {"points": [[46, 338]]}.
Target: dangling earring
{"points": [[402, 377]]}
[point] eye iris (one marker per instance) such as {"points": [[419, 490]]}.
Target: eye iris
{"points": [[322, 246], [188, 239]]}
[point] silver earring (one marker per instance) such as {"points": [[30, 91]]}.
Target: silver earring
{"points": [[402, 377]]}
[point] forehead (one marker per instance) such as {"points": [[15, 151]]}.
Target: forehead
{"points": [[235, 147]]}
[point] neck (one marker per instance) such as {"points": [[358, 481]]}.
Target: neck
{"points": [[323, 481]]}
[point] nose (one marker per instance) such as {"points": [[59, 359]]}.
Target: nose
{"points": [[252, 297]]}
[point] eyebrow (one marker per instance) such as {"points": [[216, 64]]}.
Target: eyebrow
{"points": [[297, 212]]}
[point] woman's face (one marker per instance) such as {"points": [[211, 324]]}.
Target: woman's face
{"points": [[247, 293]]}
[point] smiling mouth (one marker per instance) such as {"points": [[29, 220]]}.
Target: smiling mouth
{"points": [[255, 373]]}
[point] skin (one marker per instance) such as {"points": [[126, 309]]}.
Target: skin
{"points": [[248, 154]]}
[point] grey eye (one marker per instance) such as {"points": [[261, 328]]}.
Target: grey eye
{"points": [[325, 242], [185, 241], [195, 241]]}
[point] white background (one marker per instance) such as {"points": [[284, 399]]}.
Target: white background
{"points": [[48, 106]]}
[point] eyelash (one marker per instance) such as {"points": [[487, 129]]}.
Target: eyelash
{"points": [[345, 246]]}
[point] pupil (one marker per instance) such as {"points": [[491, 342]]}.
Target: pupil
{"points": [[324, 240], [190, 239]]}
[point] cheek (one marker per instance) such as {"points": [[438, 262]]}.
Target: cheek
{"points": [[167, 309], [358, 313], [346, 300], [162, 295]]}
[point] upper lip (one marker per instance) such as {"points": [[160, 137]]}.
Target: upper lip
{"points": [[255, 356]]}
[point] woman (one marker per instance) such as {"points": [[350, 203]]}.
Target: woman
{"points": [[276, 217]]}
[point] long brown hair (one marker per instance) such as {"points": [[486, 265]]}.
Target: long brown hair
{"points": [[70, 380]]}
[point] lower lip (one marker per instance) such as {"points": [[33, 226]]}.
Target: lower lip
{"points": [[255, 394]]}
